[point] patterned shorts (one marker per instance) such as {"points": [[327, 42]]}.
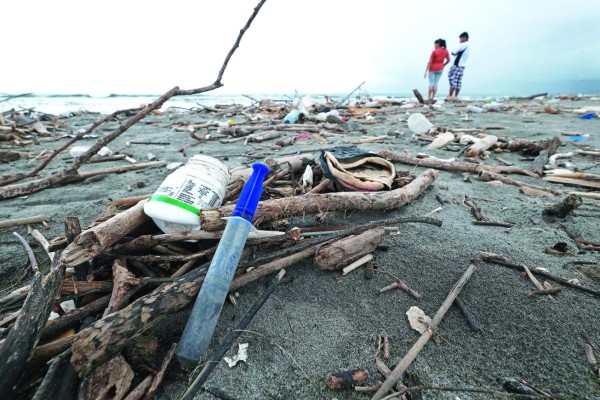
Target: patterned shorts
{"points": [[455, 76]]}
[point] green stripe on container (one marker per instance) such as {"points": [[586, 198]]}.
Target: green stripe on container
{"points": [[175, 202]]}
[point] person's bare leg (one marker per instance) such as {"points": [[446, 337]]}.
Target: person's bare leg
{"points": [[433, 92], [430, 93], [456, 92], [451, 90]]}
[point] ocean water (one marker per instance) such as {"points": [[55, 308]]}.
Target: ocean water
{"points": [[57, 104]]}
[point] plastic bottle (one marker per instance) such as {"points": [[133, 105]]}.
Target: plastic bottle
{"points": [[418, 123], [475, 109], [202, 321], [177, 203], [292, 117]]}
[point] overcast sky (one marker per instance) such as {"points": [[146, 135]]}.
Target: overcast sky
{"points": [[313, 46]]}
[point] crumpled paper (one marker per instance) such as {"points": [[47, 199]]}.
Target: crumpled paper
{"points": [[418, 320], [242, 355]]}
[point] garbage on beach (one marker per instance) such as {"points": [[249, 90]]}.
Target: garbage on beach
{"points": [[78, 151], [418, 320], [419, 124], [475, 109], [180, 198], [242, 355], [300, 191]]}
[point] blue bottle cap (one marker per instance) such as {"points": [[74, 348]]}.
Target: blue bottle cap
{"points": [[251, 192]]}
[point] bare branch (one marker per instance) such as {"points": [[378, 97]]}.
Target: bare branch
{"points": [[16, 190]]}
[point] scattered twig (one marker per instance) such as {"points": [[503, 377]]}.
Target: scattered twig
{"points": [[488, 176], [467, 314], [161, 373], [386, 347], [492, 258], [538, 292], [493, 223], [398, 284], [368, 389], [349, 249], [24, 221], [74, 317], [32, 261], [42, 240], [361, 261], [140, 390], [474, 390], [422, 341], [50, 376]]}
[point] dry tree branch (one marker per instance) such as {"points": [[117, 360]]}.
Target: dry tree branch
{"points": [[11, 191]]}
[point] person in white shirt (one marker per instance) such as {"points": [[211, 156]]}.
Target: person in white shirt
{"points": [[457, 70]]}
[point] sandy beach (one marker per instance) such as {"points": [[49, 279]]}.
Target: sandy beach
{"points": [[319, 322]]}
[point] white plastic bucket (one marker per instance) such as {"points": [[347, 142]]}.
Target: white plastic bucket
{"points": [[177, 203]]}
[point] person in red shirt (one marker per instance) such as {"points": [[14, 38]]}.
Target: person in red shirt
{"points": [[438, 60]]}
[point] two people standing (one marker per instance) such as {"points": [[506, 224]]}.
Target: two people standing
{"points": [[440, 58]]}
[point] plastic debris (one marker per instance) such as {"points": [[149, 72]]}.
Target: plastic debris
{"points": [[242, 355], [418, 320], [419, 124]]}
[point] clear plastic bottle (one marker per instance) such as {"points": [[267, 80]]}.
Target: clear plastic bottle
{"points": [[292, 117], [178, 201], [419, 124]]}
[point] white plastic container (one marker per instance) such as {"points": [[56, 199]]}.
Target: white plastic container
{"points": [[180, 198], [419, 124]]}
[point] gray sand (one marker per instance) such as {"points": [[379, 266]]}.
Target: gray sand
{"points": [[326, 324]]}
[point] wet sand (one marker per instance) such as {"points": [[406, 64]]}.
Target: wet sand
{"points": [[326, 324]]}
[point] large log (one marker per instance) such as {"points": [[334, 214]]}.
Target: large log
{"points": [[105, 338], [109, 335], [74, 317], [91, 242], [454, 166], [277, 209], [25, 333], [343, 252]]}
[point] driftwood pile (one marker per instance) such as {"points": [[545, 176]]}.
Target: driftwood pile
{"points": [[111, 282], [132, 275], [123, 276]]}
